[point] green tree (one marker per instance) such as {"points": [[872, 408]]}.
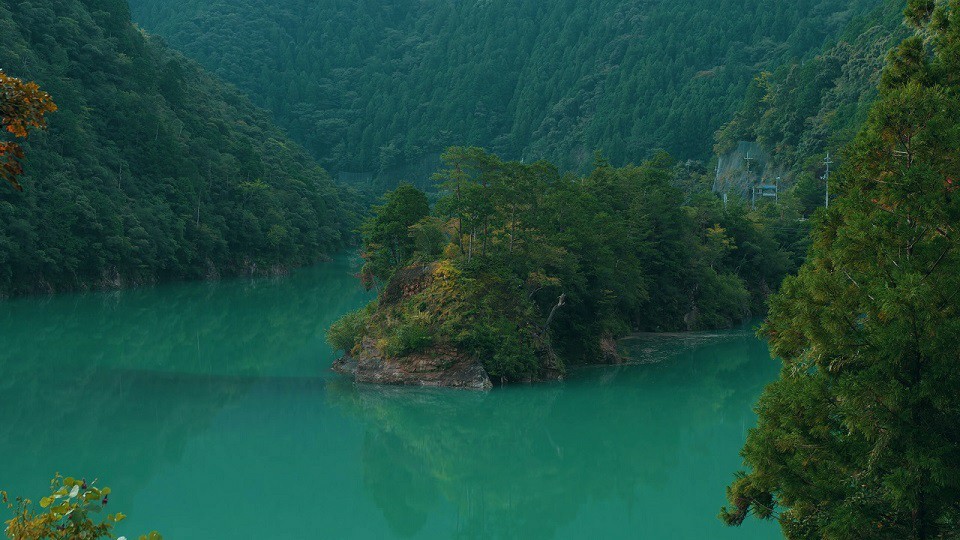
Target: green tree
{"points": [[387, 240], [153, 170], [860, 436], [541, 269], [551, 80]]}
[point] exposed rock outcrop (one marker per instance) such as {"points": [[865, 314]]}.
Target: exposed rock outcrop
{"points": [[745, 167], [434, 367], [407, 282]]}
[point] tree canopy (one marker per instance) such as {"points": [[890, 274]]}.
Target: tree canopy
{"points": [[151, 169], [809, 107], [528, 268], [860, 436], [368, 86]]}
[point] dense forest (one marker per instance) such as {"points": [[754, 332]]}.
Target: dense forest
{"points": [[124, 162], [860, 436], [367, 86], [151, 169], [808, 107], [524, 268]]}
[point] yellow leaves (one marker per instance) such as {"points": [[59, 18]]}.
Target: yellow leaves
{"points": [[718, 235], [537, 280], [70, 512], [444, 270]]}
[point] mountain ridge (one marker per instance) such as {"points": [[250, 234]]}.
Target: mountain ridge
{"points": [[369, 87]]}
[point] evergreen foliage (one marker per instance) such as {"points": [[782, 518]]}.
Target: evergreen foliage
{"points": [[810, 106], [860, 436], [388, 242], [367, 86], [536, 266], [151, 169]]}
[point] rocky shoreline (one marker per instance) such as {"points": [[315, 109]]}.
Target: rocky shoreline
{"points": [[434, 367]]}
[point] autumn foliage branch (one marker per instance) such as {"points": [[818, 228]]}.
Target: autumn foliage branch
{"points": [[22, 108]]}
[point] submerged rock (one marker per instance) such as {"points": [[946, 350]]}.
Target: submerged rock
{"points": [[433, 367]]}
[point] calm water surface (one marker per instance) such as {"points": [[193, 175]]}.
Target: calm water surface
{"points": [[210, 411]]}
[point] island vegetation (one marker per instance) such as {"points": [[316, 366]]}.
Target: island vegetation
{"points": [[525, 269]]}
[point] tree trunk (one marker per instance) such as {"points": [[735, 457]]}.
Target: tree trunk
{"points": [[560, 303]]}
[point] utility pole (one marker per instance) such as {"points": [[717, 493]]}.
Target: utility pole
{"points": [[826, 176], [716, 179]]}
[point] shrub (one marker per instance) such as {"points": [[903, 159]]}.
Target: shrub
{"points": [[66, 514], [502, 348], [346, 333], [408, 337]]}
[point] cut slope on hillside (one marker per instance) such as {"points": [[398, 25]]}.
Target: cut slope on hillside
{"points": [[804, 109]]}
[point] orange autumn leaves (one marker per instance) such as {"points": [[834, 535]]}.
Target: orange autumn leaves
{"points": [[22, 107]]}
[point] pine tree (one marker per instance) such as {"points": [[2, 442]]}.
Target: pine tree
{"points": [[387, 240], [860, 436]]}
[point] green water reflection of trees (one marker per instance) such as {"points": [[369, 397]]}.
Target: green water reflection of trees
{"points": [[128, 378], [520, 462]]}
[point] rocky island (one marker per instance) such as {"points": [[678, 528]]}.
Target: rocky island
{"points": [[518, 271], [434, 365]]}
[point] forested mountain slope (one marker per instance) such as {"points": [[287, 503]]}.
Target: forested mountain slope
{"points": [[370, 85], [868, 328], [808, 107], [151, 168]]}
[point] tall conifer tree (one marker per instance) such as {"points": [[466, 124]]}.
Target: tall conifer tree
{"points": [[860, 437]]}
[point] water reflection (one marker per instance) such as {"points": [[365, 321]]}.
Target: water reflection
{"points": [[118, 383], [523, 462], [210, 411], [232, 327]]}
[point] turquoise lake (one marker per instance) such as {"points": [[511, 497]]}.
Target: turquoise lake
{"points": [[210, 410]]}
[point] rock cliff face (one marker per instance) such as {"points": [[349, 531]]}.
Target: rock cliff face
{"points": [[407, 282], [745, 167], [436, 366]]}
